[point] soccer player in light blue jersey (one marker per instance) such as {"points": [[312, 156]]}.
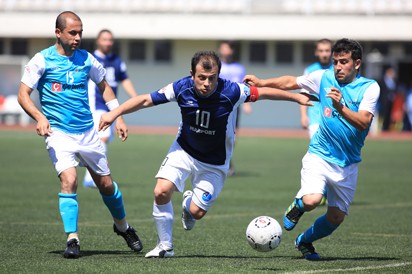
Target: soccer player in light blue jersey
{"points": [[116, 73], [310, 116], [348, 102], [204, 145], [60, 75]]}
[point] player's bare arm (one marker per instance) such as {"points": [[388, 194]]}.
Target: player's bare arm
{"points": [[43, 125], [131, 105], [360, 120], [283, 82], [278, 94], [110, 98]]}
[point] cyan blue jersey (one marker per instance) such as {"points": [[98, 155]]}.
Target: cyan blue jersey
{"points": [[314, 112], [115, 73], [207, 129], [62, 85], [336, 140]]}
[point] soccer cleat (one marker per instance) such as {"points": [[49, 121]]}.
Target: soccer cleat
{"points": [[130, 237], [160, 251], [307, 249], [292, 216], [187, 220], [72, 250]]}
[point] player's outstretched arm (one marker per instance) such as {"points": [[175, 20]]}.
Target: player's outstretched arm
{"points": [[283, 82], [279, 94], [131, 105]]}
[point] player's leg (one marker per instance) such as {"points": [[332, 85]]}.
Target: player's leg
{"points": [[69, 210], [313, 185], [341, 190], [171, 177], [207, 183], [163, 216], [92, 155], [61, 148]]}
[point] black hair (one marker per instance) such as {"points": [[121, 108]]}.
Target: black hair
{"points": [[346, 45], [207, 59], [62, 18]]}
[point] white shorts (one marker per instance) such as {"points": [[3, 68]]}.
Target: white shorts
{"points": [[108, 132], [317, 175], [207, 179], [63, 149]]}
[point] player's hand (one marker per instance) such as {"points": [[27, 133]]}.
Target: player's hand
{"points": [[252, 80], [106, 119], [304, 99], [121, 128], [43, 127], [336, 97]]}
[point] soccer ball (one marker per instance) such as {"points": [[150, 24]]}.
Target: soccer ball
{"points": [[264, 233]]}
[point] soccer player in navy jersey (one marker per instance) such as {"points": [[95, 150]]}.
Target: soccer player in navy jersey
{"points": [[204, 145], [60, 75], [116, 73], [348, 102]]}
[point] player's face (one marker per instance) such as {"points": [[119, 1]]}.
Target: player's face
{"points": [[71, 36], [345, 68], [225, 52], [324, 53], [205, 79], [105, 42]]}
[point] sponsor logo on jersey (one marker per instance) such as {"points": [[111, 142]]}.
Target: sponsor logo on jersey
{"points": [[206, 196], [74, 86], [56, 87], [327, 112]]}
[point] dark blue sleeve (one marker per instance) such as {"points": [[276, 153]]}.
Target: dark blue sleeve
{"points": [[158, 98]]}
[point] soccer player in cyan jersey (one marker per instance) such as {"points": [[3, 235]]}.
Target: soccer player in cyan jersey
{"points": [[116, 74], [310, 116], [60, 74], [348, 102], [204, 145]]}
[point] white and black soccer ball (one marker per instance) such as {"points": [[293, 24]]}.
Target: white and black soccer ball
{"points": [[264, 233]]}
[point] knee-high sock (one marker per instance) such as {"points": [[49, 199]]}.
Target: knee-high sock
{"points": [[320, 229], [69, 210], [163, 216], [115, 203]]}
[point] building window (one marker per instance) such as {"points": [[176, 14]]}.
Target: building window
{"points": [[88, 44], [163, 51], [284, 52], [257, 52], [137, 50], [309, 52], [1, 46], [19, 47], [382, 47]]}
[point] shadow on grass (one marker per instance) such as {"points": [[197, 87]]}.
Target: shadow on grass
{"points": [[376, 259], [87, 253], [245, 174]]}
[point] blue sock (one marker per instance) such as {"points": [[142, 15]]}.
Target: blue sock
{"points": [[115, 203], [299, 204], [320, 229], [69, 210]]}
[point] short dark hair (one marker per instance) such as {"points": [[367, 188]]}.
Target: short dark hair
{"points": [[346, 45], [324, 41], [62, 17], [207, 58], [103, 31]]}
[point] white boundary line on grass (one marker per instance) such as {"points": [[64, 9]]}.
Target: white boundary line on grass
{"points": [[360, 268]]}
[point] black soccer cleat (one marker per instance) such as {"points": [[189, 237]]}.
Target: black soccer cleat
{"points": [[130, 237], [291, 216], [72, 250]]}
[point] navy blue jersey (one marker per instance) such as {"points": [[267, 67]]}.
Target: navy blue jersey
{"points": [[207, 129]]}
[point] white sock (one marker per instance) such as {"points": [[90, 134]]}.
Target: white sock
{"points": [[122, 226], [163, 216]]}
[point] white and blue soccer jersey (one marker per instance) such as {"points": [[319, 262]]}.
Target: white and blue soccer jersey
{"points": [[116, 72], [62, 85], [207, 129], [336, 140], [314, 112], [233, 72]]}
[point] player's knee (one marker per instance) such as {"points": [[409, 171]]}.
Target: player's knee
{"points": [[310, 202], [335, 216], [162, 195]]}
